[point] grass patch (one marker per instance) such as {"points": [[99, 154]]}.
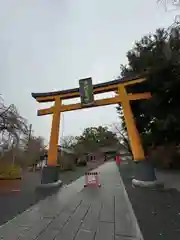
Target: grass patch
{"points": [[9, 171]]}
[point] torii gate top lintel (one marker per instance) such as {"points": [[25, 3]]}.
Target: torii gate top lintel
{"points": [[97, 88]]}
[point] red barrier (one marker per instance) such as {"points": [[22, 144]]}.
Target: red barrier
{"points": [[92, 179]]}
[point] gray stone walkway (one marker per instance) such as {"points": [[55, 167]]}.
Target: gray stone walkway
{"points": [[78, 213]]}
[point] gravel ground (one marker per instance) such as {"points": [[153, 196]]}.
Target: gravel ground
{"points": [[11, 204], [157, 211]]}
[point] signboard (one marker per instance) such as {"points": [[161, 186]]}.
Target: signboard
{"points": [[86, 92]]}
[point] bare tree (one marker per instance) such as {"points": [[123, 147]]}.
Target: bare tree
{"points": [[12, 126], [121, 135], [34, 150]]}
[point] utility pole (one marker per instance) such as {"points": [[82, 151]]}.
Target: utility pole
{"points": [[30, 132]]}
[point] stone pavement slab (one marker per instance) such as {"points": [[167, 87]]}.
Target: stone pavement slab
{"points": [[78, 213]]}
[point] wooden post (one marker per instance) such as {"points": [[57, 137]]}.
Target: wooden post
{"points": [[134, 137], [53, 143]]}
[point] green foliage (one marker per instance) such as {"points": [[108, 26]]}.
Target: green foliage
{"points": [[68, 142], [157, 57], [94, 138]]}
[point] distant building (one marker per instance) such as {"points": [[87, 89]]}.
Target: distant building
{"points": [[63, 151], [103, 152]]}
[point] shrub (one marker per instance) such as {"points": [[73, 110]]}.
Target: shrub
{"points": [[165, 157], [9, 171], [82, 161]]}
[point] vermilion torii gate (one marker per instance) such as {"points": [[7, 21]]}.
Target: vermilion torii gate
{"points": [[86, 92]]}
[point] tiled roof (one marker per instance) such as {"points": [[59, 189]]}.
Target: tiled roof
{"points": [[66, 150]]}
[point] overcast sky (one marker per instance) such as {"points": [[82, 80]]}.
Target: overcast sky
{"points": [[48, 45]]}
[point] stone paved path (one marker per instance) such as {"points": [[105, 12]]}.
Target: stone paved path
{"points": [[78, 213]]}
